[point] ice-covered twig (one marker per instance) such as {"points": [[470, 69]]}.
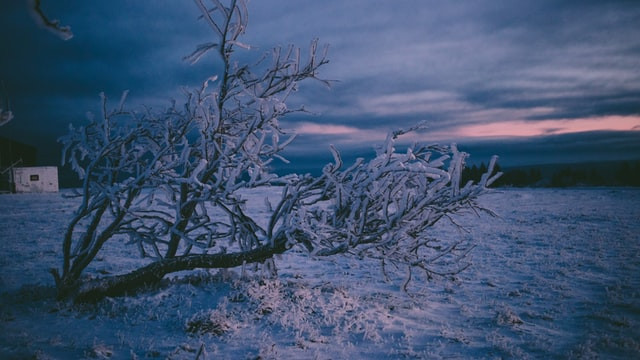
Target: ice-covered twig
{"points": [[64, 32]]}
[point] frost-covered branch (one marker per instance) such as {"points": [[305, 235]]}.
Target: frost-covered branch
{"points": [[64, 32], [172, 183], [169, 181], [385, 207]]}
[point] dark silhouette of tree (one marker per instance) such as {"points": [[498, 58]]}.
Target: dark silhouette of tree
{"points": [[520, 178], [475, 172], [590, 174], [595, 179], [628, 174], [568, 176]]}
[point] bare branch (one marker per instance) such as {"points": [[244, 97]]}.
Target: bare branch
{"points": [[172, 183], [63, 32]]}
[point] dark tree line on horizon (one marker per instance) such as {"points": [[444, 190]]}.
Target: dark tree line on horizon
{"points": [[625, 173]]}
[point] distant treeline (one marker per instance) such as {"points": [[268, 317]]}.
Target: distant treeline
{"points": [[625, 173]]}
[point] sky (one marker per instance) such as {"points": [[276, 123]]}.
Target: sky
{"points": [[534, 82]]}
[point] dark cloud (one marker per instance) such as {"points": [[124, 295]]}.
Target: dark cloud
{"points": [[398, 63]]}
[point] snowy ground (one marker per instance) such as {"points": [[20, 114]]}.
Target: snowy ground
{"points": [[557, 275]]}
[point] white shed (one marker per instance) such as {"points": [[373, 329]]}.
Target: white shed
{"points": [[35, 179]]}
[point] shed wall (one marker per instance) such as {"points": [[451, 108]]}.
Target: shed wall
{"points": [[35, 179]]}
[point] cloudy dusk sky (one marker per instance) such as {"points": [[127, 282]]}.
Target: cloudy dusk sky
{"points": [[533, 81]]}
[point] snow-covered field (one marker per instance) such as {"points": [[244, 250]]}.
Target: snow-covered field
{"points": [[557, 275]]}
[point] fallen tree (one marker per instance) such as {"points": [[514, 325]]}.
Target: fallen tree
{"points": [[171, 183], [119, 285]]}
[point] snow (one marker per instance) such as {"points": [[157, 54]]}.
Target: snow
{"points": [[555, 275]]}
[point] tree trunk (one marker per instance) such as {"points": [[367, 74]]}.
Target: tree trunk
{"points": [[96, 289]]}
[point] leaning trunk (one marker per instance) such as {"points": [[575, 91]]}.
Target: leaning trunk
{"points": [[96, 289]]}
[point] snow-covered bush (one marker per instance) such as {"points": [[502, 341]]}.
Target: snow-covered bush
{"points": [[171, 183]]}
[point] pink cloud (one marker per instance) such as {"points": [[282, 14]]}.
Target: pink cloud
{"points": [[520, 128]]}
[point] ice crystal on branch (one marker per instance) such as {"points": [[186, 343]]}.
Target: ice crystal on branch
{"points": [[171, 182], [383, 208]]}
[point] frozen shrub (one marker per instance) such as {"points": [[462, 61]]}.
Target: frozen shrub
{"points": [[170, 183]]}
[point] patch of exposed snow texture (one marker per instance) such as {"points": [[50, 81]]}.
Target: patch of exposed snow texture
{"points": [[556, 275]]}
